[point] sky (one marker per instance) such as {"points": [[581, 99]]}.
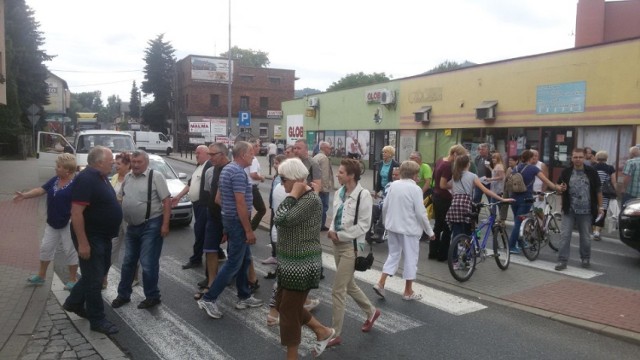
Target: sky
{"points": [[99, 45]]}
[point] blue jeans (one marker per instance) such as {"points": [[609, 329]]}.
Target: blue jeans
{"points": [[87, 291], [324, 197], [460, 228], [519, 207], [199, 229], [143, 243], [237, 264], [583, 223]]}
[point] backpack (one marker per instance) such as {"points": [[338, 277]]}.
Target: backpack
{"points": [[515, 182]]}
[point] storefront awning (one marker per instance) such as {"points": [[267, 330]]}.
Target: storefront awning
{"points": [[487, 104]]}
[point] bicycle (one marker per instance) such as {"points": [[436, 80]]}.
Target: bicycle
{"points": [[536, 233], [465, 250]]}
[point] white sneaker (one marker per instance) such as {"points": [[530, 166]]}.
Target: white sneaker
{"points": [[249, 302], [270, 260], [596, 236], [210, 307]]}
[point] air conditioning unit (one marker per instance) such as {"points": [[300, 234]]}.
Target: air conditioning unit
{"points": [[313, 102], [387, 97]]}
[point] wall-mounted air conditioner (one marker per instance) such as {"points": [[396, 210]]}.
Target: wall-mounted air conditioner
{"points": [[387, 97], [313, 102]]}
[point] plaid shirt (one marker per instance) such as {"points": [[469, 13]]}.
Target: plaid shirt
{"points": [[632, 169], [460, 209]]}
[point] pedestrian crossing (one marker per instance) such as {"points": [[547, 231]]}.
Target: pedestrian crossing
{"points": [[572, 271], [172, 337]]}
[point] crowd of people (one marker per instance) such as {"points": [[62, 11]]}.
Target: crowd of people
{"points": [[92, 217]]}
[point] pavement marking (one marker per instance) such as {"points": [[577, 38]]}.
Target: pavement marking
{"points": [[390, 322], [550, 266], [167, 335], [440, 300]]}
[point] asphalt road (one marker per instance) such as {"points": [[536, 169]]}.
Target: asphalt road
{"points": [[461, 327]]}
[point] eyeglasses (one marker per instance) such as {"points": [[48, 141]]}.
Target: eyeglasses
{"points": [[214, 153]]}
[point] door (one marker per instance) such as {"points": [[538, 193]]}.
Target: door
{"points": [[50, 145]]}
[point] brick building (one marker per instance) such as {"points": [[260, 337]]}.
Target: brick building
{"points": [[202, 96], [600, 21]]}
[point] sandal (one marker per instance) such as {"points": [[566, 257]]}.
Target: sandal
{"points": [[35, 280], [200, 294], [312, 304], [272, 320], [320, 345], [69, 285], [413, 296]]}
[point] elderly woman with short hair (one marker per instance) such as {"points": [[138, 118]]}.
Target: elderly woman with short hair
{"points": [[405, 218], [385, 168], [298, 221]]}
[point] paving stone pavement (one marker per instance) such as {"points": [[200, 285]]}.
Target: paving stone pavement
{"points": [[56, 337]]}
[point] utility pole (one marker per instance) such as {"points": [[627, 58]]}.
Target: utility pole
{"points": [[229, 79]]}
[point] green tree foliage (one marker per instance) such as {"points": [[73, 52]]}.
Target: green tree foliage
{"points": [[448, 65], [359, 79], [248, 57], [134, 102], [304, 92], [112, 111], [158, 73], [26, 73]]}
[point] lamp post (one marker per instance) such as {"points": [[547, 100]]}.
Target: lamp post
{"points": [[229, 79]]}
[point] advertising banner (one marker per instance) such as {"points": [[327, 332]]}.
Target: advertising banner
{"points": [[295, 129], [210, 69], [199, 127]]}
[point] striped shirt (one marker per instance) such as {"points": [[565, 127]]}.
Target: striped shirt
{"points": [[234, 180]]}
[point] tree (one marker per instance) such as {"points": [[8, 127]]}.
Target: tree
{"points": [[304, 92], [134, 102], [113, 110], [449, 65], [158, 73], [26, 73], [359, 79], [248, 57]]}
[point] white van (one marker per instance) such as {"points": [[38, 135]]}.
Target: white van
{"points": [[50, 145], [152, 141]]}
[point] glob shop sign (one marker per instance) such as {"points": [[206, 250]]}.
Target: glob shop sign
{"points": [[295, 132], [374, 96]]}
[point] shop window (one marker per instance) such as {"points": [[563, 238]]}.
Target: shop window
{"points": [[486, 110], [264, 103]]}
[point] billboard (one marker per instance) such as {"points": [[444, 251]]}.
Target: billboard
{"points": [[295, 130], [210, 69]]}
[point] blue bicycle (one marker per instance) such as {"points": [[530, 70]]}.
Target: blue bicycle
{"points": [[466, 251]]}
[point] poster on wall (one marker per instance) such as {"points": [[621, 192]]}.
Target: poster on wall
{"points": [[329, 137], [407, 144], [339, 146], [363, 140], [295, 130], [353, 146]]}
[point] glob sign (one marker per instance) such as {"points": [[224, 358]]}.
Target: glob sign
{"points": [[295, 131]]}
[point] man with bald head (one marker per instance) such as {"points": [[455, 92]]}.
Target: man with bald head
{"points": [[199, 197]]}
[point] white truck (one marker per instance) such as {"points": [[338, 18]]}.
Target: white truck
{"points": [[152, 141], [50, 145]]}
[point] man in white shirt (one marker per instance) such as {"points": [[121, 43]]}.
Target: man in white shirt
{"points": [[327, 179], [272, 152], [255, 178]]}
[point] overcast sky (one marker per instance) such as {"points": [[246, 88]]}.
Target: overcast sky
{"points": [[99, 44]]}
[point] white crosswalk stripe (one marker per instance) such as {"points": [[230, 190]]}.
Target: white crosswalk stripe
{"points": [[550, 266]]}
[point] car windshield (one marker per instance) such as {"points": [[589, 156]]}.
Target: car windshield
{"points": [[116, 142], [164, 168]]}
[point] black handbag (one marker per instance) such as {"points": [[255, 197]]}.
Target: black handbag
{"points": [[363, 263], [608, 191]]}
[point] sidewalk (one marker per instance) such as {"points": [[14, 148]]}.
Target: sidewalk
{"points": [[609, 310], [34, 325]]}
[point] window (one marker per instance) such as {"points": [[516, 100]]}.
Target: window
{"points": [[486, 110], [244, 103], [246, 78], [214, 100], [186, 101], [423, 114], [264, 102], [264, 130], [274, 80]]}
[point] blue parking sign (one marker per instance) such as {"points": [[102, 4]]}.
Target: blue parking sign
{"points": [[244, 118]]}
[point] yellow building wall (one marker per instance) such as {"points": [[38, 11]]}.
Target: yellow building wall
{"points": [[611, 73]]}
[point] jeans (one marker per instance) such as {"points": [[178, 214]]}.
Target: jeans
{"points": [[460, 228], [237, 264], [324, 196], [583, 223], [87, 291], [519, 207], [477, 195], [258, 204], [199, 229], [143, 242]]}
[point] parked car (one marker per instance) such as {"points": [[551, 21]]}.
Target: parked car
{"points": [[629, 224], [182, 214]]}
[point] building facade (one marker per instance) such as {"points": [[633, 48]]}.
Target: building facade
{"points": [[600, 21], [202, 89], [3, 61], [59, 102], [552, 102]]}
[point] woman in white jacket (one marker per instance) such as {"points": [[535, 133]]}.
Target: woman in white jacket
{"points": [[405, 218], [348, 237]]}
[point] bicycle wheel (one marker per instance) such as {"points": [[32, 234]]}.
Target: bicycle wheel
{"points": [[501, 247], [462, 258], [362, 167], [530, 240], [553, 232]]}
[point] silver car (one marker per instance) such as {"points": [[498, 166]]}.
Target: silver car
{"points": [[182, 214]]}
